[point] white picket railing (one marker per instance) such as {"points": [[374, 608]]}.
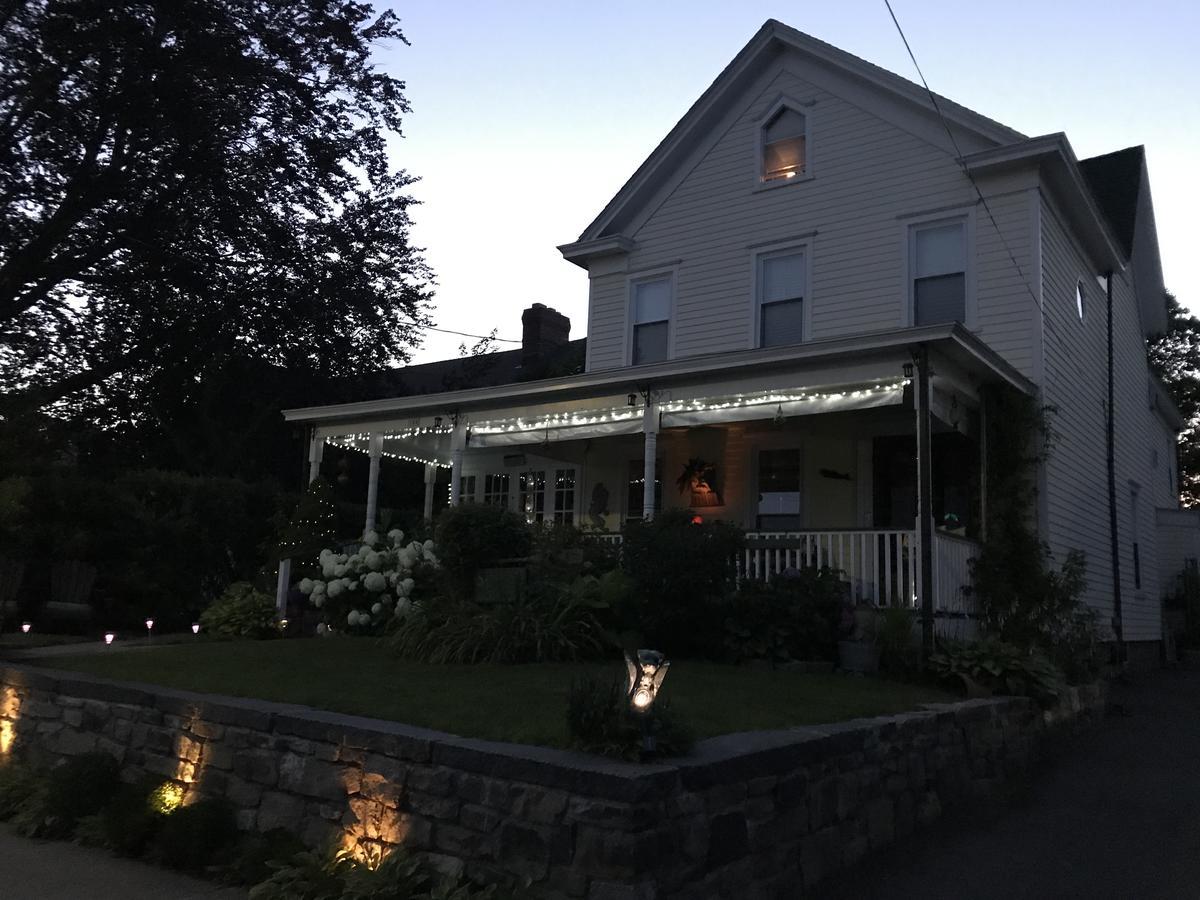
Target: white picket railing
{"points": [[882, 566]]}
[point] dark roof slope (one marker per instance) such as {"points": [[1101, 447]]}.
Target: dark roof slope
{"points": [[1115, 179], [486, 370]]}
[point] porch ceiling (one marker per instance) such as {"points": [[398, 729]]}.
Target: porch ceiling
{"points": [[864, 358]]}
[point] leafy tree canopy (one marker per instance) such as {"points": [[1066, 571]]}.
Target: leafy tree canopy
{"points": [[186, 182], [1175, 358]]}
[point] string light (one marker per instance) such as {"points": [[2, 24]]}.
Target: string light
{"points": [[776, 398], [559, 420], [401, 456]]}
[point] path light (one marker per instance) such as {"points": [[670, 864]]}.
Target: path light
{"points": [[108, 637], [195, 628], [149, 629], [25, 626], [283, 624], [646, 675]]}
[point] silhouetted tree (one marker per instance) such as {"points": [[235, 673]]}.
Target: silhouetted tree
{"points": [[189, 182], [1175, 358]]}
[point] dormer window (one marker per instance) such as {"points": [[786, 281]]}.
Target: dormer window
{"points": [[784, 151]]}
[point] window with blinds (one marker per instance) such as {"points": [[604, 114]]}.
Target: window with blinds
{"points": [[939, 273], [651, 320], [782, 277]]}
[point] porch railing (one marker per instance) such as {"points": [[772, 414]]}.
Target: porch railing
{"points": [[882, 567]]}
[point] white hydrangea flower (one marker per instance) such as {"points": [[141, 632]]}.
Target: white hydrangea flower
{"points": [[339, 571], [318, 587], [374, 582], [322, 628], [352, 586], [407, 586], [318, 600], [407, 558], [403, 605], [373, 561], [352, 617], [395, 536], [324, 555], [328, 567], [371, 537], [334, 588], [428, 545], [306, 586], [376, 609]]}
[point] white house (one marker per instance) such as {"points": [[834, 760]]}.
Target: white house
{"points": [[813, 255]]}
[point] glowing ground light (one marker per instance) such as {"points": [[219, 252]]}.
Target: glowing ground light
{"points": [[109, 637], [166, 798], [195, 628], [25, 626]]}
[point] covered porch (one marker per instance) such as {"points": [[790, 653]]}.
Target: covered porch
{"points": [[817, 451]]}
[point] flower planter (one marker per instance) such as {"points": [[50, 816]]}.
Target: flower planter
{"points": [[858, 656]]}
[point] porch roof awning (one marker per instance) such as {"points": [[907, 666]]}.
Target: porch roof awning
{"points": [[856, 359]]}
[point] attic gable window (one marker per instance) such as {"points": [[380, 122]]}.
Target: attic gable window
{"points": [[784, 143]]}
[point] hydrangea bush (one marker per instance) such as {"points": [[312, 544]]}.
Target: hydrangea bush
{"points": [[365, 590]]}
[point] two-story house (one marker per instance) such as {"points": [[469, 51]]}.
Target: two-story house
{"points": [[815, 255]]}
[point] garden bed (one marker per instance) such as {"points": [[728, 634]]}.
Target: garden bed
{"points": [[525, 704]]}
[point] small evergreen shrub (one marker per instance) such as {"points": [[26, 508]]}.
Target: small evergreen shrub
{"points": [[474, 536], [194, 837], [241, 612], [795, 616], [600, 721], [127, 824], [79, 787]]}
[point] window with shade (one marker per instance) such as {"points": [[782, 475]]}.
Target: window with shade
{"points": [[564, 496], [782, 278], [531, 499], [784, 142], [651, 320], [779, 490], [939, 273], [466, 488], [495, 489]]}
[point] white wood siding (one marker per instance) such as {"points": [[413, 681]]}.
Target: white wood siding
{"points": [[868, 176], [1075, 383]]}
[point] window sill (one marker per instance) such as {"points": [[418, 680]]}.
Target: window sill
{"points": [[781, 183]]}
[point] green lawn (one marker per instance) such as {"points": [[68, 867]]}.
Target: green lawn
{"points": [[512, 703]]}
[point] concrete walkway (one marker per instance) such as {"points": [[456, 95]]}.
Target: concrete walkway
{"points": [[57, 870], [1114, 813]]}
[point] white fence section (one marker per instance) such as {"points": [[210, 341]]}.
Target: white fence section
{"points": [[882, 567]]}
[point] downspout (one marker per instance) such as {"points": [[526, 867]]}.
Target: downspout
{"points": [[1118, 624]]}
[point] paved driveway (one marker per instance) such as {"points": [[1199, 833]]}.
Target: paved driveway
{"points": [[1114, 813], [56, 870]]}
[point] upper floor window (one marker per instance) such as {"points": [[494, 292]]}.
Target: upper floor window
{"points": [[784, 143], [939, 272], [782, 277], [651, 319]]}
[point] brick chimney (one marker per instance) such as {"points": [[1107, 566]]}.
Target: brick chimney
{"points": [[543, 330]]}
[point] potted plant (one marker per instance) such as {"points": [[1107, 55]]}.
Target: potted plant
{"points": [[858, 650]]}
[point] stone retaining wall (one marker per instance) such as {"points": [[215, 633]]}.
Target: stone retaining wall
{"points": [[757, 815]]}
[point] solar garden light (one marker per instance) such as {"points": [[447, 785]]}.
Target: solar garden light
{"points": [[195, 628], [149, 629], [109, 637], [25, 626], [647, 672]]}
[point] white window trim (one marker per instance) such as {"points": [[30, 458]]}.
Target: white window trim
{"points": [[775, 442], [804, 109], [909, 226], [756, 257], [671, 273], [1082, 300]]}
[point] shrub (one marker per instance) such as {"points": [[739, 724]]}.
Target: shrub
{"points": [[899, 650], [256, 851], [241, 612], [81, 786], [17, 783], [599, 721], [194, 836], [548, 623], [991, 665], [374, 584], [127, 824], [795, 616], [683, 574], [401, 875], [474, 536]]}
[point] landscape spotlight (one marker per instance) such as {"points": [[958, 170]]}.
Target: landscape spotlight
{"points": [[195, 628], [25, 626], [108, 637]]}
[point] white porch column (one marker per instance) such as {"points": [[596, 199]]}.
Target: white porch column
{"points": [[430, 481], [281, 586], [375, 448], [649, 473], [316, 451], [458, 440]]}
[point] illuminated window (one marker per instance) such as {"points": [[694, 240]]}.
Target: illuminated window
{"points": [[779, 490], [784, 140], [495, 489], [531, 490], [939, 273], [781, 284], [564, 496], [651, 319]]}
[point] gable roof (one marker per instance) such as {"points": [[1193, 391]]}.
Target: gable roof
{"points": [[772, 38], [1115, 180]]}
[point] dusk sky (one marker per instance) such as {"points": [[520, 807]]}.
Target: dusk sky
{"points": [[527, 117]]}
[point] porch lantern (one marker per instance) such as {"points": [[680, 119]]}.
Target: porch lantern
{"points": [[646, 674], [908, 370], [25, 626]]}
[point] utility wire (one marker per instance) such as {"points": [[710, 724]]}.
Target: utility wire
{"points": [[958, 155], [482, 337]]}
